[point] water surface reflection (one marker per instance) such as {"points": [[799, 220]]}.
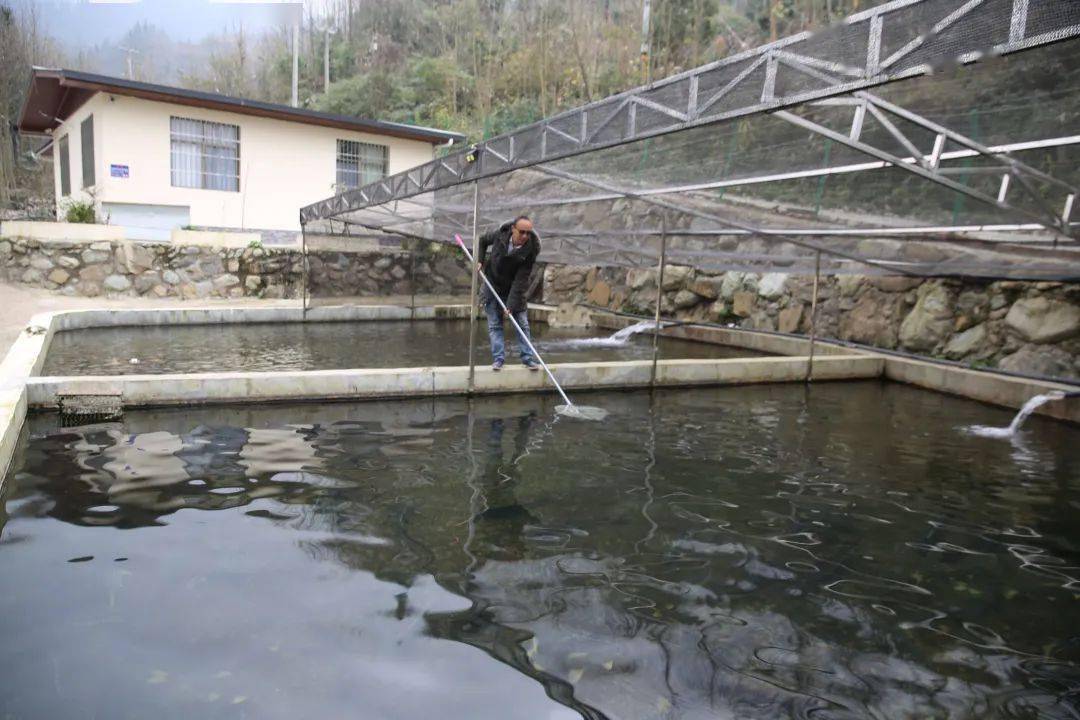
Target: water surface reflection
{"points": [[330, 345], [759, 552]]}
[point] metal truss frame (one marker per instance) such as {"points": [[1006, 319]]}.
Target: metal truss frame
{"points": [[748, 83], [928, 164], [585, 244], [829, 170]]}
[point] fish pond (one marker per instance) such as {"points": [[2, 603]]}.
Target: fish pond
{"points": [[257, 347], [843, 550]]}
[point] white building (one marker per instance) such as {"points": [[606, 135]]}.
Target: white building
{"points": [[154, 158]]}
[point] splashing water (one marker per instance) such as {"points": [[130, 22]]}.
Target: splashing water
{"points": [[1029, 407], [618, 339], [626, 333]]}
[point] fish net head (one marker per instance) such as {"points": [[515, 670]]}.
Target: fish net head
{"points": [[582, 412]]}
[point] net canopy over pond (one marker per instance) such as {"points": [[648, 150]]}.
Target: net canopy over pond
{"points": [[919, 137]]}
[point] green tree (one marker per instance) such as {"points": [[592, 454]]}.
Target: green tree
{"points": [[370, 95]]}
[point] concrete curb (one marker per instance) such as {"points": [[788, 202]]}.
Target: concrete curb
{"points": [[989, 387], [1004, 390], [255, 387], [12, 416]]}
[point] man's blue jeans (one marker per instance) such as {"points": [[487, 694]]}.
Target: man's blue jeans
{"points": [[495, 332]]}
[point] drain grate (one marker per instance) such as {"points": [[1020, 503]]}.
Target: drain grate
{"points": [[87, 409]]}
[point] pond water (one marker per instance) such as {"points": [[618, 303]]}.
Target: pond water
{"points": [[845, 550], [334, 345]]}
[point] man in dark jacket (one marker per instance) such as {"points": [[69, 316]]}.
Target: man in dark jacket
{"points": [[507, 257]]}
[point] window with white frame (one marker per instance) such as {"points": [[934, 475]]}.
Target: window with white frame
{"points": [[360, 163], [205, 155]]}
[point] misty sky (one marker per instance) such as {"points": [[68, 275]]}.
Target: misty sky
{"points": [[82, 23]]}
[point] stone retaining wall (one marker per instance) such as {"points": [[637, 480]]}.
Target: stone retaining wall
{"points": [[423, 268], [132, 268], [1023, 327]]}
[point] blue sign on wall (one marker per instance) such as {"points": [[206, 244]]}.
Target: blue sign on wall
{"points": [[119, 171]]}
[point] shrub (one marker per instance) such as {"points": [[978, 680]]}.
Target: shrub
{"points": [[80, 211]]}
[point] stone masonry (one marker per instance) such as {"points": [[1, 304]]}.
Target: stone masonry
{"points": [[1026, 327], [129, 268]]}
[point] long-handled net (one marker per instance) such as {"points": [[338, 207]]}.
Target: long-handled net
{"points": [[582, 412]]}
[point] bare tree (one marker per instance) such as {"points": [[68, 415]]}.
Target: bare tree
{"points": [[22, 45]]}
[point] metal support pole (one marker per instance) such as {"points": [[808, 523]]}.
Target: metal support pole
{"points": [[659, 298], [412, 281], [303, 270], [813, 316], [473, 305]]}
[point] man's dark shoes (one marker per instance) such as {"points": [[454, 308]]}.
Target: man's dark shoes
{"points": [[532, 365], [497, 365]]}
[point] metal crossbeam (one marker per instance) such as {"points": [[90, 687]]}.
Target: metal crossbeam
{"points": [[926, 166], [983, 234], [590, 250], [874, 151], [878, 107], [748, 83], [1006, 166]]}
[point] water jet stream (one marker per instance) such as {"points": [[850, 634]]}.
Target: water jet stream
{"points": [[1029, 407]]}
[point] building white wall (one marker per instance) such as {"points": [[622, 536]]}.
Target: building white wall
{"points": [[283, 165], [72, 128]]}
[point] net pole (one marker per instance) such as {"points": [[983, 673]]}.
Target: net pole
{"points": [[659, 298], [303, 271], [473, 305], [813, 315]]}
